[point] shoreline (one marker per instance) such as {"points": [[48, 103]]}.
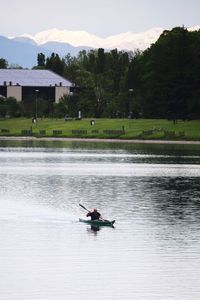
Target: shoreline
{"points": [[97, 140]]}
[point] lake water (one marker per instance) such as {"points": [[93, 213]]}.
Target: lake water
{"points": [[153, 193]]}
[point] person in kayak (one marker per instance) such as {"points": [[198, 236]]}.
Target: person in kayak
{"points": [[95, 215]]}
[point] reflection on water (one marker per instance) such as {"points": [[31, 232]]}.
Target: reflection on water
{"points": [[153, 193], [94, 229]]}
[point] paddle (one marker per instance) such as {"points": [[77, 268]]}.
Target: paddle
{"points": [[84, 207], [90, 211]]}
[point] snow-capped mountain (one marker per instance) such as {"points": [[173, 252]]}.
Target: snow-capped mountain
{"points": [[23, 50], [123, 41], [75, 38], [194, 28]]}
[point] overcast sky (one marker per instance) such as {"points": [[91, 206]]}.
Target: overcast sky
{"points": [[100, 17]]}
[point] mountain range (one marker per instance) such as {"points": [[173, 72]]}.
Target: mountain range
{"points": [[23, 50]]}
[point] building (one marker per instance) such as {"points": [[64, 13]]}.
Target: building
{"points": [[25, 84]]}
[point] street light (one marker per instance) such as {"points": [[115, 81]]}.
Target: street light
{"points": [[36, 91], [130, 110]]}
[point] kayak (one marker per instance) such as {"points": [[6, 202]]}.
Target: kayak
{"points": [[98, 222]]}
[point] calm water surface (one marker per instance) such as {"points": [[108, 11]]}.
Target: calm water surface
{"points": [[152, 191]]}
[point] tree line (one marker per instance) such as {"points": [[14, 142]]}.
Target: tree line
{"points": [[160, 82]]}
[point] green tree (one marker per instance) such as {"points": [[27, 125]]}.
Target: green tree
{"points": [[41, 60], [100, 61], [55, 63], [167, 74], [13, 108], [3, 63], [3, 107], [60, 109]]}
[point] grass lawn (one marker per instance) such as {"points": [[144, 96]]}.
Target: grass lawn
{"points": [[103, 128]]}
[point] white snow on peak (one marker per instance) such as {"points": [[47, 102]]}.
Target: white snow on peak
{"points": [[131, 41], [127, 40], [75, 38], [194, 28], [123, 41]]}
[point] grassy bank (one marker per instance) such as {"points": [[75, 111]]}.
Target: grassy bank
{"points": [[103, 128]]}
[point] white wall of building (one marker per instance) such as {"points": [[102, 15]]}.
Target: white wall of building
{"points": [[14, 91], [60, 91]]}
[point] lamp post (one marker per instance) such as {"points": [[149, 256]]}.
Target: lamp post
{"points": [[36, 91], [130, 111]]}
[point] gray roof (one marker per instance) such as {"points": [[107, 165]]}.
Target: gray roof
{"points": [[32, 78]]}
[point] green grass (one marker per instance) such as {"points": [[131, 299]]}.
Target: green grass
{"points": [[133, 129]]}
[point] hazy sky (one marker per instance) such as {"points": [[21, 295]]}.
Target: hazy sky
{"points": [[100, 17]]}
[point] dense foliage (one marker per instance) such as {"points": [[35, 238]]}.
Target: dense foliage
{"points": [[162, 81], [3, 63], [100, 78], [167, 75], [9, 107]]}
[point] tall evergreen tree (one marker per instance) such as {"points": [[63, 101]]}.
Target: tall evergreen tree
{"points": [[41, 60], [3, 63]]}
